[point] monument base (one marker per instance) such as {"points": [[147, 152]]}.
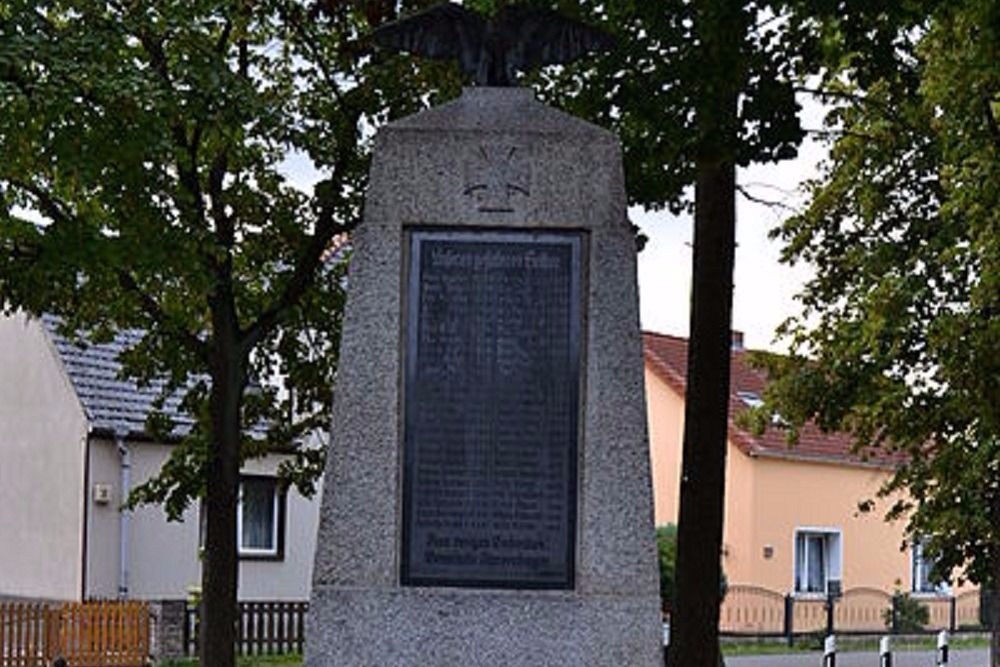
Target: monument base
{"points": [[465, 628]]}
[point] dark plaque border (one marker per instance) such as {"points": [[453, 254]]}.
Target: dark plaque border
{"points": [[416, 237]]}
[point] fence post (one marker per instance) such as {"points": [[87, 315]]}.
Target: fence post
{"points": [[895, 614], [953, 614], [985, 600], [170, 629], [829, 613], [790, 618], [830, 652], [885, 652], [942, 648]]}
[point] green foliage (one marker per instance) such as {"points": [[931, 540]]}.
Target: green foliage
{"points": [[899, 339], [912, 616], [155, 146], [666, 548], [290, 660], [648, 88]]}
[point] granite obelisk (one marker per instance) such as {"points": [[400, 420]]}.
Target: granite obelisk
{"points": [[487, 498]]}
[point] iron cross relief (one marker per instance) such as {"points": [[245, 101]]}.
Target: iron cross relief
{"points": [[494, 176]]}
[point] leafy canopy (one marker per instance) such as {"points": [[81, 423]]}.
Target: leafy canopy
{"points": [[147, 182], [899, 339]]}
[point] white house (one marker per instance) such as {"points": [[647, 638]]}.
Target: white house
{"points": [[72, 441]]}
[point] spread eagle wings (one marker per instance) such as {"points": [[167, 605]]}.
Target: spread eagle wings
{"points": [[522, 37], [446, 31], [538, 37]]}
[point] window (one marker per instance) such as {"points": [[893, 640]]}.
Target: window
{"points": [[922, 568], [750, 398], [259, 518], [817, 561]]}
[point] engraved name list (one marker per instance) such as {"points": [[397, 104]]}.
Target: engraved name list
{"points": [[491, 409]]}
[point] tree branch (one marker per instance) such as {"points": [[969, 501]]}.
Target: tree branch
{"points": [[224, 227], [223, 41], [836, 134], [10, 74], [309, 41], [61, 213], [49, 205], [758, 200], [991, 120], [308, 263], [155, 312], [831, 94]]}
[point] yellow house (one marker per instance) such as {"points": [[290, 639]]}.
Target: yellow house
{"points": [[791, 514]]}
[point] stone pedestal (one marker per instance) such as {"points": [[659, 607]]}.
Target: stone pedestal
{"points": [[493, 162]]}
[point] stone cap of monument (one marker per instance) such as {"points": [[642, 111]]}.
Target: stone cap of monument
{"points": [[500, 109], [497, 156]]}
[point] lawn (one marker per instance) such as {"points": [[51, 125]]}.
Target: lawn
{"points": [[847, 644], [248, 661]]}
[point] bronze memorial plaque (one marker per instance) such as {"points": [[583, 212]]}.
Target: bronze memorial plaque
{"points": [[492, 385]]}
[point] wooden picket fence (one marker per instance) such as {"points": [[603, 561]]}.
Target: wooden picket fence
{"points": [[88, 634], [272, 627]]}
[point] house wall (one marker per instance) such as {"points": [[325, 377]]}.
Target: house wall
{"points": [[739, 529], [768, 498], [665, 410], [42, 440], [102, 521], [796, 494], [163, 555], [291, 579]]}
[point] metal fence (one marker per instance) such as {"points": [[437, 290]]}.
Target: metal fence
{"points": [[760, 612], [262, 628]]}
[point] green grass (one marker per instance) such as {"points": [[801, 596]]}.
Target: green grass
{"points": [[847, 644], [735, 647], [248, 661]]}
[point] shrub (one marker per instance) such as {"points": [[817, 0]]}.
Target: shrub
{"points": [[666, 547], [911, 615]]}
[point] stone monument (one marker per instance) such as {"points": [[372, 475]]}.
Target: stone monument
{"points": [[487, 499]]}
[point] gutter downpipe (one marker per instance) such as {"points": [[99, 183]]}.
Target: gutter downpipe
{"points": [[124, 515], [85, 528]]}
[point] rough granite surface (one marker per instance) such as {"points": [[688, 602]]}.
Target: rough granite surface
{"points": [[451, 166]]}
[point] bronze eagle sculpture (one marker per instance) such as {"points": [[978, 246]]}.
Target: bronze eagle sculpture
{"points": [[492, 50]]}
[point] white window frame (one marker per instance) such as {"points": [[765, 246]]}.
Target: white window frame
{"points": [[275, 550], [751, 399], [833, 562], [936, 589]]}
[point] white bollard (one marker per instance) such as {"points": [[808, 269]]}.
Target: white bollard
{"points": [[885, 652], [942, 648], [830, 652]]}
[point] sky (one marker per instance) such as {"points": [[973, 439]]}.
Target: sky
{"points": [[764, 289]]}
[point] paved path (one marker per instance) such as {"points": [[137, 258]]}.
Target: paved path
{"points": [[966, 658]]}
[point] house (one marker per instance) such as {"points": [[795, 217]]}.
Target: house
{"points": [[72, 441], [792, 523]]}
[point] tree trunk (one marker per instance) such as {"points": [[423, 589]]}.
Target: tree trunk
{"points": [[695, 632], [220, 564], [699, 537], [994, 611]]}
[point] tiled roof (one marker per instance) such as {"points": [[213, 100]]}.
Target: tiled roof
{"points": [[666, 356], [111, 403]]}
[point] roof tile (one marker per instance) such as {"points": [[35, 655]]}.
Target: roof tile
{"points": [[111, 402], [667, 358]]}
